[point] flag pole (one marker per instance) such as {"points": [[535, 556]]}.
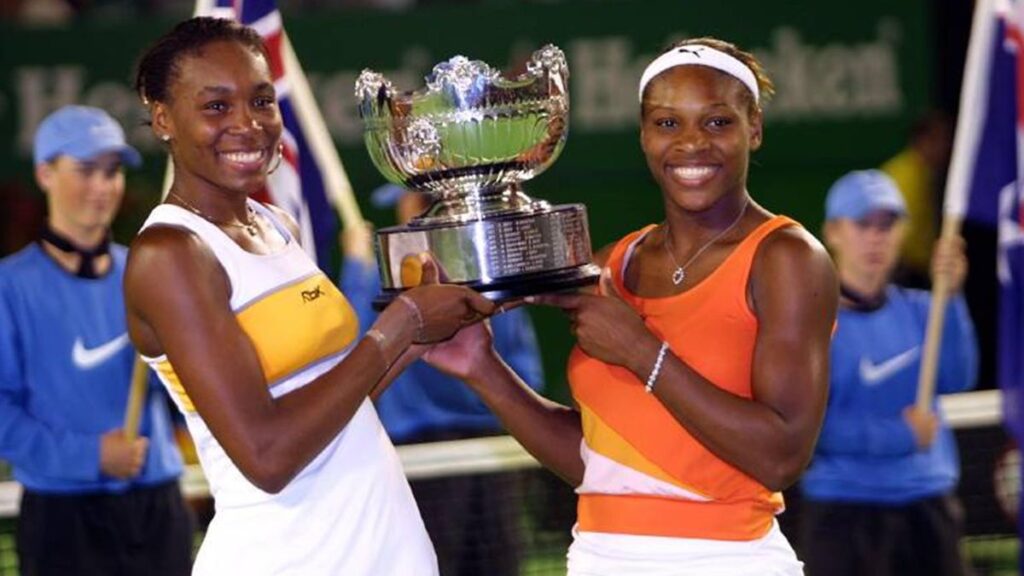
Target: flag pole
{"points": [[936, 320], [957, 184], [136, 397], [336, 180]]}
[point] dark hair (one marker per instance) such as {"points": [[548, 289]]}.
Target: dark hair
{"points": [[158, 66], [764, 84]]}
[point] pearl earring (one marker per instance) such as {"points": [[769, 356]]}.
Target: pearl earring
{"points": [[165, 137]]}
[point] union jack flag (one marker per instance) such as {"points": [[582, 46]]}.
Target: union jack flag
{"points": [[310, 166]]}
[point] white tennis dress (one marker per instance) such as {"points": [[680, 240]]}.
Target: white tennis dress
{"points": [[350, 511]]}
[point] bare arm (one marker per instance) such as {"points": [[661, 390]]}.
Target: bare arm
{"points": [[178, 304], [549, 431], [771, 437]]}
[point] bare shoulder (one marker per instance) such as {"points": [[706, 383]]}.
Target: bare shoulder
{"points": [[165, 248], [167, 258], [793, 273], [792, 249]]}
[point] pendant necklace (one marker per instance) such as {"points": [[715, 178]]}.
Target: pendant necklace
{"points": [[679, 274], [249, 225]]}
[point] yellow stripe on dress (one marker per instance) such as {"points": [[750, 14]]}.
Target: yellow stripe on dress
{"points": [[298, 324], [166, 372], [604, 440]]}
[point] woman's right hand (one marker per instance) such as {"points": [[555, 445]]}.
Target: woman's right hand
{"points": [[437, 311], [440, 310]]}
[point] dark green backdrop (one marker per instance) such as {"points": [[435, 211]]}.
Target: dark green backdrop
{"points": [[850, 78]]}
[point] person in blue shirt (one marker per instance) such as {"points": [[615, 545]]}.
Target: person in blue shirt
{"points": [[95, 501], [879, 495], [473, 520]]}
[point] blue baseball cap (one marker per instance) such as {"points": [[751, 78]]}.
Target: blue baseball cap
{"points": [[862, 192], [386, 196], [82, 132]]}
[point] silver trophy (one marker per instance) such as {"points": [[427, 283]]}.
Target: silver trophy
{"points": [[469, 139]]}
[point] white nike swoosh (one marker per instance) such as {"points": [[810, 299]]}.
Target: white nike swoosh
{"points": [[87, 358], [873, 374]]}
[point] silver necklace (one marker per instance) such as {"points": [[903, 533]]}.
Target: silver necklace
{"points": [[249, 225], [679, 274]]}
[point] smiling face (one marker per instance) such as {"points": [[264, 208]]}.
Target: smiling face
{"points": [[223, 119], [697, 133]]}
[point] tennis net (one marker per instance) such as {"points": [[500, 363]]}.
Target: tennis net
{"points": [[491, 509]]}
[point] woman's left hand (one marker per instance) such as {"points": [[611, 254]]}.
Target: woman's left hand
{"points": [[465, 354], [605, 326]]}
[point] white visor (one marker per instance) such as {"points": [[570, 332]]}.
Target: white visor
{"points": [[700, 55]]}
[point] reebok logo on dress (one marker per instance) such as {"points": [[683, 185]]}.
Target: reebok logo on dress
{"points": [[873, 374], [88, 358], [310, 295]]}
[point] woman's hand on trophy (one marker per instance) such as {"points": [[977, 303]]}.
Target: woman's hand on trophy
{"points": [[440, 310], [604, 325], [428, 312]]}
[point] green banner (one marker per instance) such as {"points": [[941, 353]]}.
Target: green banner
{"points": [[850, 78]]}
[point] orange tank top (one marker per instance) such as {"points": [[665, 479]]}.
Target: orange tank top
{"points": [[645, 474]]}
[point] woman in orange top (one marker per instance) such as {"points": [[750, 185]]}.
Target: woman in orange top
{"points": [[701, 367]]}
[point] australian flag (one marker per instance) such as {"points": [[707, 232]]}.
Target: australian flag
{"points": [[986, 178], [299, 185]]}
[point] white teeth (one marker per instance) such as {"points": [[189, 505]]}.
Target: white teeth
{"points": [[693, 172], [244, 156]]}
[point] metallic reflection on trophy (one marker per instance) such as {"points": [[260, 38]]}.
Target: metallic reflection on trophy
{"points": [[469, 139]]}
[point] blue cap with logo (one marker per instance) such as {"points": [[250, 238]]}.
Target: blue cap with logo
{"points": [[83, 133], [862, 192]]}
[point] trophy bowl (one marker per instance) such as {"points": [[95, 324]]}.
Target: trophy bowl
{"points": [[469, 139]]}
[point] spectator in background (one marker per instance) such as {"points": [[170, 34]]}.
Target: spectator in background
{"points": [[95, 501], [473, 520], [919, 172], [879, 494]]}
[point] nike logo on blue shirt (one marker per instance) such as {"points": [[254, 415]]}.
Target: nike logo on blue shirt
{"points": [[873, 374], [88, 358]]}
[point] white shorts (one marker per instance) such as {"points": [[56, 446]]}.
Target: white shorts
{"points": [[602, 554]]}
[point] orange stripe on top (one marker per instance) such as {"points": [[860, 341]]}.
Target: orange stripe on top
{"points": [[298, 324], [713, 330]]}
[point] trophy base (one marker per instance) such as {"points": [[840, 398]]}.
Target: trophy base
{"points": [[519, 286], [502, 257]]}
